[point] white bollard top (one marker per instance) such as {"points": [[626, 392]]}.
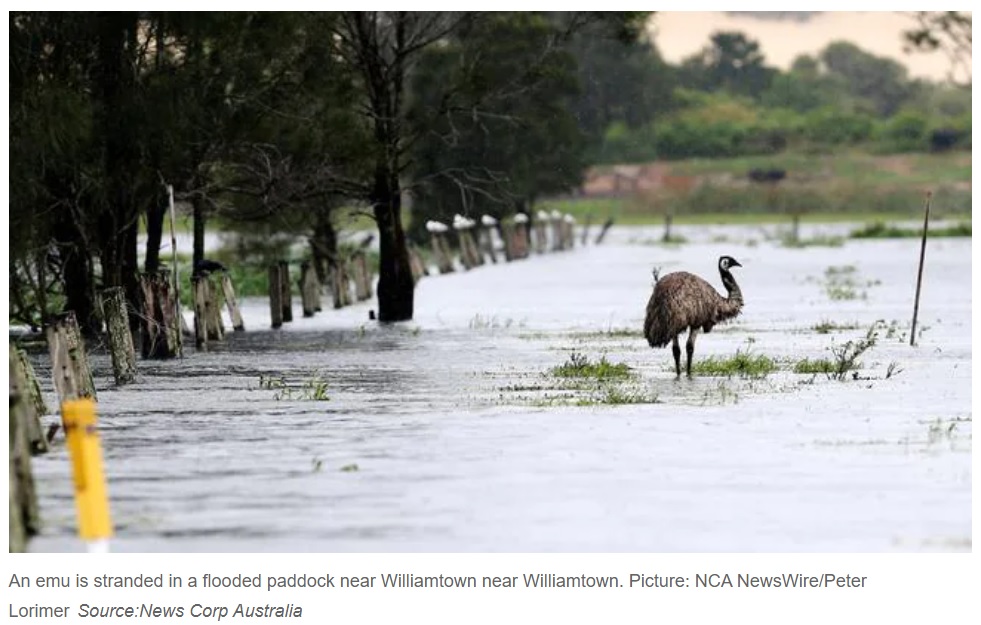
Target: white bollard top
{"points": [[435, 226], [487, 220], [520, 218]]}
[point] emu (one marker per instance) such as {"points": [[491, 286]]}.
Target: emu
{"points": [[682, 300]]}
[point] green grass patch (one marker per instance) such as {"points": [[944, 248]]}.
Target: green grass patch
{"points": [[827, 327], [579, 366], [882, 230], [815, 241], [844, 186], [742, 364], [618, 396], [841, 283]]}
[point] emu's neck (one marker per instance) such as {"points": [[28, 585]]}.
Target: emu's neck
{"points": [[735, 294]]}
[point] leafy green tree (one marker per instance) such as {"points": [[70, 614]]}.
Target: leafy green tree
{"points": [[732, 62], [505, 135], [881, 82]]}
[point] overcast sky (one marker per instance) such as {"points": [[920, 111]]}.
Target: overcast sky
{"points": [[680, 34]]}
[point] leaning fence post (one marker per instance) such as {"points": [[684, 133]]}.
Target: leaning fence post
{"points": [[120, 338], [603, 230], [919, 273], [228, 290], [24, 515], [69, 366], [22, 374]]}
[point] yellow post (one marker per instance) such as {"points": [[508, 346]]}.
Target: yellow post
{"points": [[82, 439]]}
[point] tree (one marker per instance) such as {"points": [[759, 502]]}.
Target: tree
{"points": [[382, 48], [881, 82], [505, 134], [732, 62], [947, 31]]}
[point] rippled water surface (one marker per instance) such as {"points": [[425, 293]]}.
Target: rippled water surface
{"points": [[446, 434]]}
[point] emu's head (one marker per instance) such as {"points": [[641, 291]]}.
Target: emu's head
{"points": [[726, 262]]}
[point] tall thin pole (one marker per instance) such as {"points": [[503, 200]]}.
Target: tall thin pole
{"points": [[177, 292], [919, 274]]}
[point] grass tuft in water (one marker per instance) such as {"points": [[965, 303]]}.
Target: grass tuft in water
{"points": [[822, 240], [579, 366], [817, 365], [313, 389], [618, 396], [743, 364], [827, 327]]}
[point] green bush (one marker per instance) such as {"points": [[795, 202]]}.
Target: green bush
{"points": [[904, 132], [833, 126]]}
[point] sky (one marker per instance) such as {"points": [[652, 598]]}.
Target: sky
{"points": [[680, 34]]}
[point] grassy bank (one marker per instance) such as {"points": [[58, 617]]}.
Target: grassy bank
{"points": [[819, 187]]}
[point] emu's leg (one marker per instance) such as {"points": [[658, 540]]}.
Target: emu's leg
{"points": [[690, 347], [676, 350]]}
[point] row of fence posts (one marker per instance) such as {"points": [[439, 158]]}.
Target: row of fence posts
{"points": [[161, 338], [552, 231], [76, 398], [342, 275]]}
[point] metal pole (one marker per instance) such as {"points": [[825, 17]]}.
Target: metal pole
{"points": [[919, 274]]}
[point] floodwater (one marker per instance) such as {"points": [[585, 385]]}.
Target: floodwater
{"points": [[447, 434]]}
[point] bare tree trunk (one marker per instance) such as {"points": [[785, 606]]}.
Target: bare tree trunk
{"points": [[198, 207], [154, 235], [78, 276], [396, 288]]}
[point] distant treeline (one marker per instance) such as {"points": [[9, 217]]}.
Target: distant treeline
{"points": [[725, 101]]}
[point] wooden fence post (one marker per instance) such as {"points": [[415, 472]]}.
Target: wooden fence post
{"points": [[275, 296], [120, 338], [309, 289], [216, 326], [522, 231], [24, 514], [228, 290], [24, 385], [488, 226], [284, 283], [199, 289], [568, 232], [585, 229], [415, 263], [362, 276], [602, 234], [161, 323], [558, 241], [69, 366]]}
